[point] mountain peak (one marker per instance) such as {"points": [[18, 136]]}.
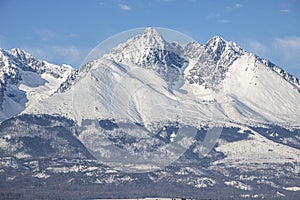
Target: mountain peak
{"points": [[216, 44], [148, 39], [151, 32], [22, 55], [18, 50], [136, 49], [151, 37], [150, 50], [218, 39], [24, 80]]}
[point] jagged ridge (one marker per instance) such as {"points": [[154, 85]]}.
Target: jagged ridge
{"points": [[24, 78]]}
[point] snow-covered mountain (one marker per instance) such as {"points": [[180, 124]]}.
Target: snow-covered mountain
{"points": [[150, 50], [218, 80], [136, 108], [25, 81]]}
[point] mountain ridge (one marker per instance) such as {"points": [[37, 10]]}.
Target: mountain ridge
{"points": [[231, 48], [23, 78], [228, 122], [211, 74]]}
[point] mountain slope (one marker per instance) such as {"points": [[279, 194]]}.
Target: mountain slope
{"points": [[156, 116], [218, 80], [25, 81], [150, 50], [219, 84], [38, 152]]}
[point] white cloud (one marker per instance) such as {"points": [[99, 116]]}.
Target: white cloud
{"points": [[60, 54], [212, 16], [289, 43], [124, 7], [70, 52], [223, 20], [283, 52], [289, 48], [285, 10], [238, 5], [72, 35], [45, 35], [235, 6], [257, 47]]}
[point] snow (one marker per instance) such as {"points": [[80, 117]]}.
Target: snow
{"points": [[109, 91], [27, 81], [22, 155], [48, 85], [3, 143], [146, 198], [65, 170], [238, 185], [10, 108], [294, 188], [280, 194], [120, 86], [252, 196], [126, 91], [255, 89], [203, 182], [257, 150], [41, 175]]}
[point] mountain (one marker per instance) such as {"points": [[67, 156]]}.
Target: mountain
{"points": [[151, 51], [25, 81], [155, 118], [217, 79]]}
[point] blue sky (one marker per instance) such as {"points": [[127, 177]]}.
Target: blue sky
{"points": [[63, 31]]}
